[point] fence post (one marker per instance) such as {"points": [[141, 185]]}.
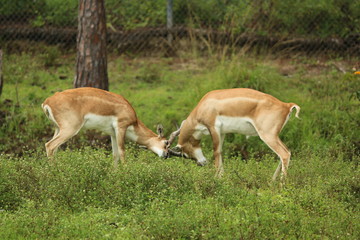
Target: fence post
{"points": [[169, 20]]}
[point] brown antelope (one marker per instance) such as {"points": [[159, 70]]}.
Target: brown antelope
{"points": [[238, 110], [92, 108]]}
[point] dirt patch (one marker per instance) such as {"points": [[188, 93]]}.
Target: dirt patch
{"points": [[313, 67]]}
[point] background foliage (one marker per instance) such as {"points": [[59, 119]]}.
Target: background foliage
{"points": [[307, 18]]}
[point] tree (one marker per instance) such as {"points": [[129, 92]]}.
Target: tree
{"points": [[91, 62], [1, 77]]}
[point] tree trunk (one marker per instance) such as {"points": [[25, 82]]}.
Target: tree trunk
{"points": [[91, 62], [1, 77]]}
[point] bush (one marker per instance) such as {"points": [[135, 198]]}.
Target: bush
{"points": [[282, 18]]}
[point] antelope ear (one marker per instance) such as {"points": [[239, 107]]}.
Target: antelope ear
{"points": [[160, 130]]}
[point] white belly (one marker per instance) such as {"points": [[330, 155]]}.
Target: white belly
{"points": [[240, 125], [106, 124]]}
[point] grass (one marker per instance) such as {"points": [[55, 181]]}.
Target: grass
{"points": [[81, 196]]}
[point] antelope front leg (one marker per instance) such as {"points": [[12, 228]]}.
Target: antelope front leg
{"points": [[118, 145], [115, 149], [219, 165], [217, 139]]}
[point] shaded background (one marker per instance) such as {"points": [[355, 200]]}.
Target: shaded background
{"points": [[141, 26]]}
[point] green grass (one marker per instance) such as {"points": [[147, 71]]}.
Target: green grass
{"points": [[81, 196]]}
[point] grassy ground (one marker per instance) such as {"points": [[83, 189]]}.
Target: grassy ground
{"points": [[81, 196]]}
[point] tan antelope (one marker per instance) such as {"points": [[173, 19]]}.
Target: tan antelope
{"points": [[238, 110], [92, 108]]}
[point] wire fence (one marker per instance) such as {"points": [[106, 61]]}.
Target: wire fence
{"points": [[151, 25]]}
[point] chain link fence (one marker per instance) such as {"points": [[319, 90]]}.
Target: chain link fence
{"points": [[153, 25]]}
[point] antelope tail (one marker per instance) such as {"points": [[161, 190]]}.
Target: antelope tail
{"points": [[293, 105]]}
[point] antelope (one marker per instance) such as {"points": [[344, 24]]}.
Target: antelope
{"points": [[92, 108], [239, 110]]}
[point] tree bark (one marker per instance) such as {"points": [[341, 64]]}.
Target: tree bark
{"points": [[91, 62], [1, 77]]}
